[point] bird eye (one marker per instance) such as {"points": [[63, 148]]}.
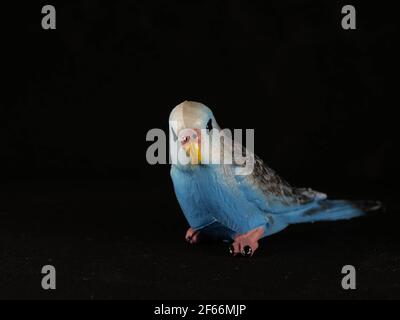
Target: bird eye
{"points": [[209, 125]]}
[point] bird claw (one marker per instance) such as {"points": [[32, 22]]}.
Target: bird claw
{"points": [[246, 244], [192, 236], [247, 251]]}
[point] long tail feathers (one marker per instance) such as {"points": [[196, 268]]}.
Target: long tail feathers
{"points": [[331, 210]]}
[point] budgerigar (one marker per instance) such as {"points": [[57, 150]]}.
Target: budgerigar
{"points": [[240, 208]]}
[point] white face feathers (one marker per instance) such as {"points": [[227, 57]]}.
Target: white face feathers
{"points": [[193, 115]]}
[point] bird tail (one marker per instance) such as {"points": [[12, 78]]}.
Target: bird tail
{"points": [[331, 210]]}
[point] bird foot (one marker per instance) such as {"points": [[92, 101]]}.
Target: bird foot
{"points": [[192, 236], [246, 244]]}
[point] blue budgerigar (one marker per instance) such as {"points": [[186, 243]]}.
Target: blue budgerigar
{"points": [[221, 204]]}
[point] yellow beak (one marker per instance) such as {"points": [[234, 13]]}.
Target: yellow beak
{"points": [[193, 150]]}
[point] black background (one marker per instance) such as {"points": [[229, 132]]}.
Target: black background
{"points": [[77, 192]]}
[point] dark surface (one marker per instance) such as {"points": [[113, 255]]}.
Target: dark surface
{"points": [[104, 246], [77, 192]]}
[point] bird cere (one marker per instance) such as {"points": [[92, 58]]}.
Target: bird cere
{"points": [[235, 197]]}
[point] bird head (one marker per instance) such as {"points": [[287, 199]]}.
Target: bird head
{"points": [[188, 123]]}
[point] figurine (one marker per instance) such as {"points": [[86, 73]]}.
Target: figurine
{"points": [[220, 204]]}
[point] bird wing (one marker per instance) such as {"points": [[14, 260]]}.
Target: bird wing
{"points": [[265, 188]]}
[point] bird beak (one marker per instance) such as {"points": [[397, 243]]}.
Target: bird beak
{"points": [[192, 150]]}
